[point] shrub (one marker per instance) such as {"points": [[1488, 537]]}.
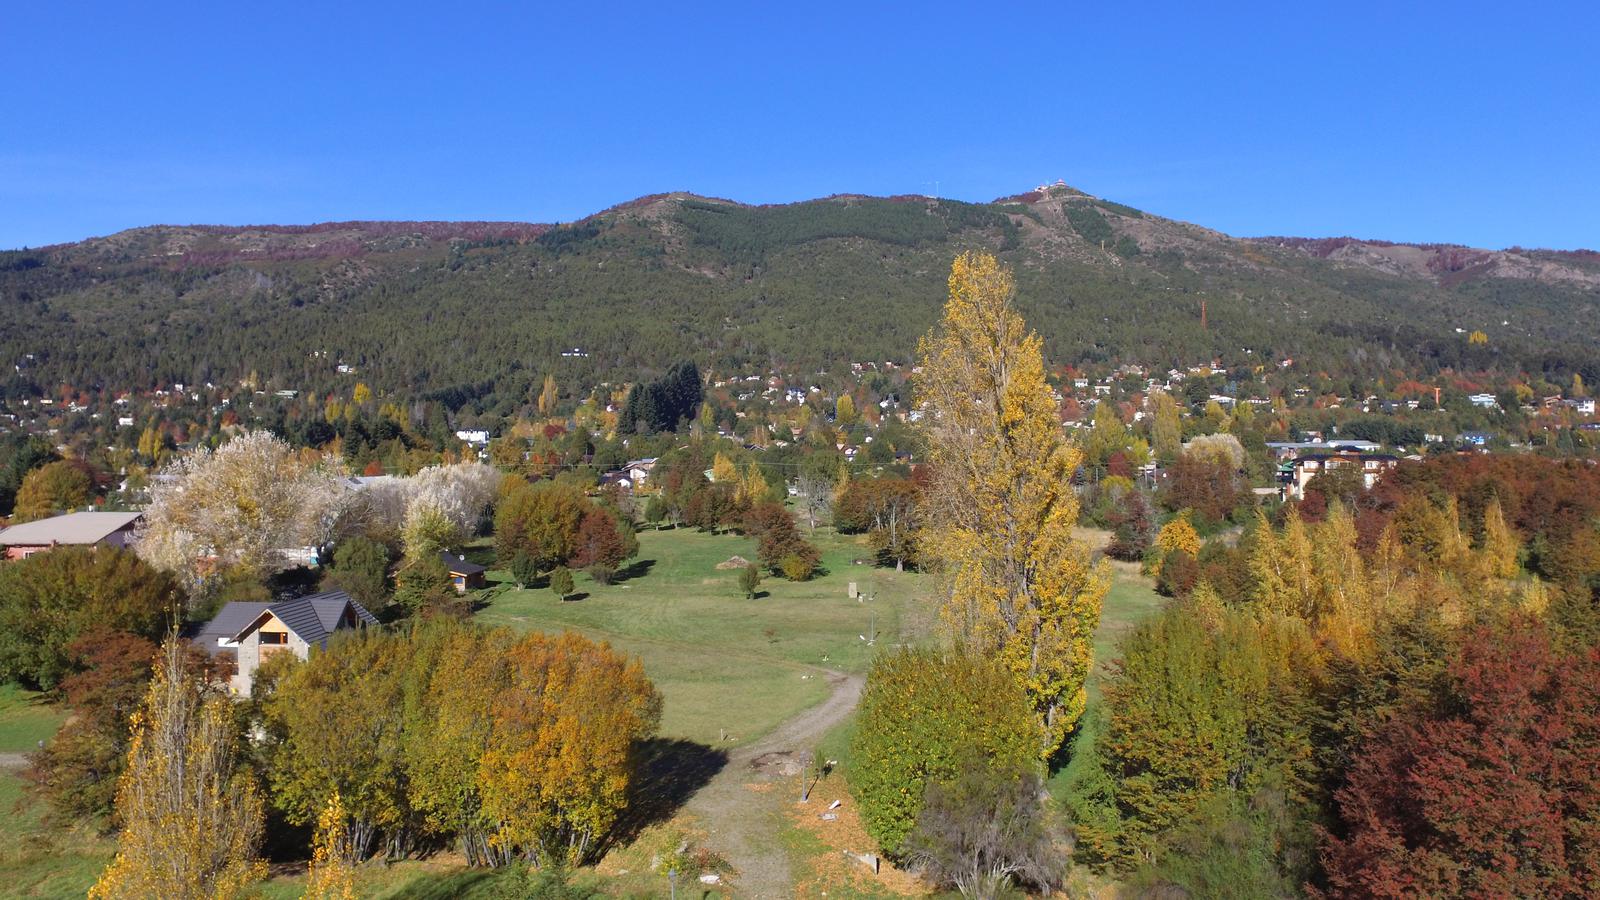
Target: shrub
{"points": [[798, 566], [561, 582], [750, 580], [923, 715], [985, 831], [601, 573]]}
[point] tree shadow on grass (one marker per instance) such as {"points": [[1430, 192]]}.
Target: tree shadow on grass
{"points": [[633, 570], [575, 597], [449, 886], [670, 771]]}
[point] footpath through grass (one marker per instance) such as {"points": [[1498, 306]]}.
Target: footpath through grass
{"points": [[730, 669]]}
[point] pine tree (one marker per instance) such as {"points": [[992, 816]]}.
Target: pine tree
{"points": [[1001, 508], [561, 582]]}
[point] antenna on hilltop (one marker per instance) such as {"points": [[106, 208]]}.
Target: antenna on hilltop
{"points": [[935, 183]]}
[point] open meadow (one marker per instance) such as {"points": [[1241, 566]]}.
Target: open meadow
{"points": [[730, 669]]}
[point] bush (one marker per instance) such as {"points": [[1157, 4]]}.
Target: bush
{"points": [[601, 573], [798, 566], [923, 714], [561, 582], [985, 831], [750, 580]]}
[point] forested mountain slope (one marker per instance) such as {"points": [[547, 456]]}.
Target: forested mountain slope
{"points": [[459, 311]]}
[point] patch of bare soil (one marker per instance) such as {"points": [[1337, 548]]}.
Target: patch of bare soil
{"points": [[742, 815]]}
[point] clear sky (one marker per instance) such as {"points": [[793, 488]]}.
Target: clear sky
{"points": [[1470, 124]]}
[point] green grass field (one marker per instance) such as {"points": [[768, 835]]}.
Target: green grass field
{"points": [[37, 860], [25, 719], [724, 664]]}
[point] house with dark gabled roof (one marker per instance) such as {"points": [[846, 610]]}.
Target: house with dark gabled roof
{"points": [[253, 632], [464, 575]]}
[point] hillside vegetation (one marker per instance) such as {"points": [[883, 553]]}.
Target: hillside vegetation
{"points": [[477, 313]]}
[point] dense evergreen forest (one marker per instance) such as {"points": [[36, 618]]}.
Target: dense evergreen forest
{"points": [[476, 314]]}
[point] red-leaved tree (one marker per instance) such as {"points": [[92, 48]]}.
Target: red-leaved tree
{"points": [[1493, 793]]}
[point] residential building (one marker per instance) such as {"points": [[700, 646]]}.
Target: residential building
{"points": [[113, 529], [252, 632], [1284, 450], [1297, 473], [464, 575]]}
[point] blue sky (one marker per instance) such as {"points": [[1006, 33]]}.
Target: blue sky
{"points": [[1478, 125]]}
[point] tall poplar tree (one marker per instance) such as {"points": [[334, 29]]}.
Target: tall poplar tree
{"points": [[1000, 508], [191, 816]]}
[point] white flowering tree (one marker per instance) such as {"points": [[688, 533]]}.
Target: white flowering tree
{"points": [[246, 506]]}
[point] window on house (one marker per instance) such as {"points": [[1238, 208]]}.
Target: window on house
{"points": [[274, 637]]}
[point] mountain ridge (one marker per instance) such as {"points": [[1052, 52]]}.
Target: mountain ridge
{"points": [[464, 309]]}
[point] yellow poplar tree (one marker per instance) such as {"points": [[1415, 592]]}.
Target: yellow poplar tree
{"points": [[1281, 567], [753, 488], [844, 410], [723, 471], [548, 396], [331, 876], [362, 395], [1166, 427], [191, 817], [1499, 553], [1000, 509]]}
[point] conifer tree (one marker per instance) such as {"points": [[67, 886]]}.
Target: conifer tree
{"points": [[1000, 510]]}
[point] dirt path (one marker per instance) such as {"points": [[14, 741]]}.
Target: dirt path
{"points": [[740, 807]]}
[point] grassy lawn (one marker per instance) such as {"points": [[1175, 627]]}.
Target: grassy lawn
{"points": [[1130, 601], [727, 665], [25, 719], [36, 861]]}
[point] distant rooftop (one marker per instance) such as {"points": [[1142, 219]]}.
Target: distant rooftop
{"points": [[1322, 445], [71, 528]]}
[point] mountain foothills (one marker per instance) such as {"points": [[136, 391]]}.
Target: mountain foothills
{"points": [[475, 314]]}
